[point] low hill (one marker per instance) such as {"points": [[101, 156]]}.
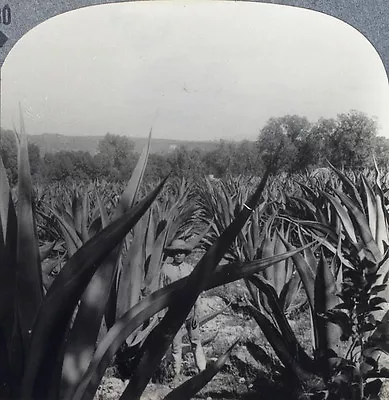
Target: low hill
{"points": [[52, 143]]}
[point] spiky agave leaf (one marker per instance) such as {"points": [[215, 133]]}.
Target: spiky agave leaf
{"points": [[325, 299], [344, 217], [45, 250], [126, 201], [29, 285], [11, 361], [305, 271], [86, 327], [132, 273], [306, 268], [348, 186], [188, 389], [129, 196], [370, 247], [381, 234], [151, 305], [69, 233], [370, 206], [282, 325], [63, 296], [152, 278], [154, 347], [280, 346]]}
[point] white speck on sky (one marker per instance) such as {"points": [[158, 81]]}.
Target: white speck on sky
{"points": [[194, 70]]}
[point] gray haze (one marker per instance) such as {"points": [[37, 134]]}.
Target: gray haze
{"points": [[192, 70]]}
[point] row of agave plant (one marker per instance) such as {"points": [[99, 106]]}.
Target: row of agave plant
{"points": [[344, 275], [308, 214], [326, 234], [59, 334]]}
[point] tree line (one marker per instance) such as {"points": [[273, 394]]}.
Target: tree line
{"points": [[348, 141]]}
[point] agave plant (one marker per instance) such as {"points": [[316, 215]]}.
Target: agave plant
{"points": [[30, 319], [346, 287], [69, 315], [220, 202], [259, 237], [282, 276]]}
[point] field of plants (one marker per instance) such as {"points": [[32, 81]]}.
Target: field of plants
{"points": [[80, 279]]}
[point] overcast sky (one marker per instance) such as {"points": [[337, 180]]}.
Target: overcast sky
{"points": [[192, 70]]}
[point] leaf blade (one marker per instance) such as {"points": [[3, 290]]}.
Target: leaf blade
{"points": [[63, 295]]}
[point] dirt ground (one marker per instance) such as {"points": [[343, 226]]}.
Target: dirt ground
{"points": [[242, 374]]}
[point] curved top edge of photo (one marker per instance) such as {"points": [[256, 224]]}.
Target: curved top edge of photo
{"points": [[221, 67], [371, 19]]}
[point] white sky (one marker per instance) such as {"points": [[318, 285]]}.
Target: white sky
{"points": [[193, 70]]}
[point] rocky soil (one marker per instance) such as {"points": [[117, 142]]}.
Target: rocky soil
{"points": [[243, 376]]}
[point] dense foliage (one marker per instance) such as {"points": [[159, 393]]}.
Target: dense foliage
{"points": [[320, 235], [108, 278], [347, 142]]}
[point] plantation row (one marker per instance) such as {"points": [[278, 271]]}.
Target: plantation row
{"points": [[80, 270], [347, 142]]}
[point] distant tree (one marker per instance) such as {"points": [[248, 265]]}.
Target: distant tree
{"points": [[246, 159], [157, 167], [34, 157], [8, 152], [212, 164], [83, 165], [196, 162], [9, 155], [58, 166], [381, 151], [351, 143], [184, 162], [312, 150], [77, 165], [347, 141], [220, 161], [288, 134], [103, 165], [232, 158], [116, 156]]}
